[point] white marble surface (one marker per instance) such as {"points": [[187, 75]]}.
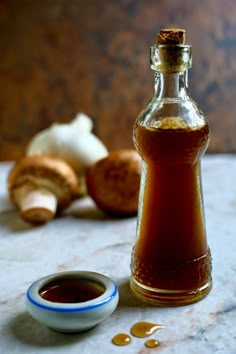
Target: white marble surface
{"points": [[84, 238]]}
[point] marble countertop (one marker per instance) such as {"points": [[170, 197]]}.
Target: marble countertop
{"points": [[86, 239]]}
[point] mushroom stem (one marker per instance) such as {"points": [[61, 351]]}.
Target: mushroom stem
{"points": [[37, 205]]}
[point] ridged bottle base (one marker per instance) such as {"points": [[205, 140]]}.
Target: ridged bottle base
{"points": [[164, 297], [172, 283]]}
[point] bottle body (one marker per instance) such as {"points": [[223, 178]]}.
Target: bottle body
{"points": [[171, 261]]}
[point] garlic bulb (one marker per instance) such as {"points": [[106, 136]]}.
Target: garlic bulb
{"points": [[73, 142]]}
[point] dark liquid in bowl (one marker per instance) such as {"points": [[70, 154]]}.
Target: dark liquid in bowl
{"points": [[71, 290]]}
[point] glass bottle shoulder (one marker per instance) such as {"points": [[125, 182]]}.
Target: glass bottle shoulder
{"points": [[170, 113]]}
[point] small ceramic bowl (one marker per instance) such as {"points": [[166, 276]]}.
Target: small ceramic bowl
{"points": [[56, 307]]}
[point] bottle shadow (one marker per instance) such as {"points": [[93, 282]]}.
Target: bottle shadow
{"points": [[126, 296], [128, 299]]}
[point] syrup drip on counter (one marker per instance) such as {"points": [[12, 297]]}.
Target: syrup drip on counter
{"points": [[141, 330], [144, 329], [152, 343], [121, 339]]}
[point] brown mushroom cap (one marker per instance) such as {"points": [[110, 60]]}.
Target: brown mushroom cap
{"points": [[51, 173], [113, 182]]}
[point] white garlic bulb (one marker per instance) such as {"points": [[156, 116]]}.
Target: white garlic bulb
{"points": [[73, 142]]}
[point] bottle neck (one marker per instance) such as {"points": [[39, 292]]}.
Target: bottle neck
{"points": [[171, 85]]}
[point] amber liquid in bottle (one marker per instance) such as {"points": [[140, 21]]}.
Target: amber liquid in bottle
{"points": [[171, 262]]}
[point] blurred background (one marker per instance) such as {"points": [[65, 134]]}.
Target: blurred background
{"points": [[60, 57]]}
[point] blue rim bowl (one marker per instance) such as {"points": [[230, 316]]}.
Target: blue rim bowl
{"points": [[72, 317]]}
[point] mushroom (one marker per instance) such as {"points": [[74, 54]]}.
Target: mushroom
{"points": [[74, 142], [113, 182], [40, 186]]}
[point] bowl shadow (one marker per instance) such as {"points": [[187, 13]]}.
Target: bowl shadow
{"points": [[27, 330]]}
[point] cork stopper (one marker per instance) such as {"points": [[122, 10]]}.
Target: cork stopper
{"points": [[171, 36], [170, 53]]}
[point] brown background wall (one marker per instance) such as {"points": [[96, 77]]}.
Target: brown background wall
{"points": [[59, 57]]}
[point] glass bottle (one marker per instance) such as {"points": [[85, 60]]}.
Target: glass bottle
{"points": [[171, 261]]}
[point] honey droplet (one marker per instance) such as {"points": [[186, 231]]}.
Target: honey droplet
{"points": [[121, 339], [152, 343], [144, 329]]}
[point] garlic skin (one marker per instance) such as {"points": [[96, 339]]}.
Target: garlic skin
{"points": [[73, 142]]}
